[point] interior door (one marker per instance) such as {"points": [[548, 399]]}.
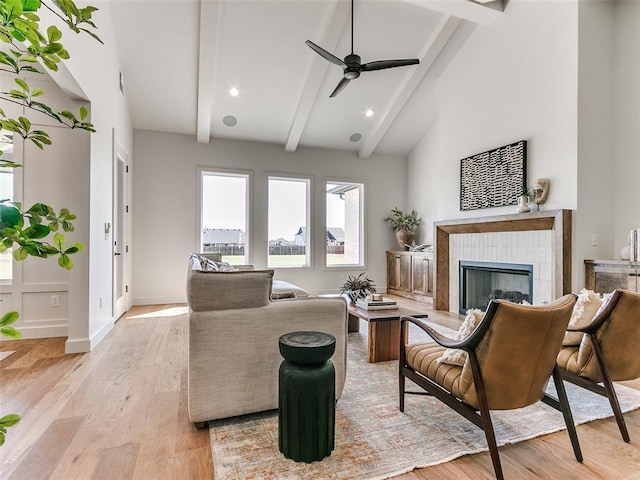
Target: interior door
{"points": [[119, 233]]}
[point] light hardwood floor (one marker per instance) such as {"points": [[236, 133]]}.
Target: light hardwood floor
{"points": [[119, 412]]}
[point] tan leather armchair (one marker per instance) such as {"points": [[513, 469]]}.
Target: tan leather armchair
{"points": [[609, 351], [511, 355]]}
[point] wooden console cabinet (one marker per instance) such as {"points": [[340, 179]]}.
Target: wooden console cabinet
{"points": [[410, 275], [604, 276]]}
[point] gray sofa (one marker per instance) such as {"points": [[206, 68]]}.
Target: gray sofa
{"points": [[234, 328]]}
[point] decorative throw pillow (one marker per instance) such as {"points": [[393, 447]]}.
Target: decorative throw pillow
{"points": [[587, 306], [208, 265], [455, 356], [281, 295]]}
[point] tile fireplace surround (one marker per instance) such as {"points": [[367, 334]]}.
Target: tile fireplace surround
{"points": [[542, 239]]}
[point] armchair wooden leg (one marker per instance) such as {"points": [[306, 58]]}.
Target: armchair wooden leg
{"points": [[566, 412], [200, 425], [608, 386], [487, 424], [402, 359]]}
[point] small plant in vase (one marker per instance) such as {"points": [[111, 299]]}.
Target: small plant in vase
{"points": [[523, 200], [404, 225], [358, 286]]}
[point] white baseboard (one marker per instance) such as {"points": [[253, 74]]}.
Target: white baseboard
{"points": [[84, 345], [79, 345], [158, 300], [41, 331]]}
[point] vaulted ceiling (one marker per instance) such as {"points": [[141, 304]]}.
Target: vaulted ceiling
{"points": [[180, 59]]}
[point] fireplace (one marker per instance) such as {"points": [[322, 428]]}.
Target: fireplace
{"points": [[481, 282]]}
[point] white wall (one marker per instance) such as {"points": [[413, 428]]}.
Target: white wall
{"points": [[564, 76], [627, 121], [595, 174], [43, 178], [423, 183], [91, 77], [166, 207], [514, 79]]}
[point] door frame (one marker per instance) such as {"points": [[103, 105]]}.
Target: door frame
{"points": [[119, 217]]}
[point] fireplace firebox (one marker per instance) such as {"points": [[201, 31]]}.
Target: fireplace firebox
{"points": [[481, 282]]}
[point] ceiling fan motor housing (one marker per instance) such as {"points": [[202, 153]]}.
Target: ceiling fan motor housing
{"points": [[352, 69]]}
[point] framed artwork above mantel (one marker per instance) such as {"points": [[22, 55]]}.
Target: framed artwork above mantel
{"points": [[494, 178]]}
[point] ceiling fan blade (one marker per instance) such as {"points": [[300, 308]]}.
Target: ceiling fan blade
{"points": [[326, 55], [343, 83], [382, 64]]}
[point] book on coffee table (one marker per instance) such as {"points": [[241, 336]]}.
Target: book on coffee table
{"points": [[376, 304]]}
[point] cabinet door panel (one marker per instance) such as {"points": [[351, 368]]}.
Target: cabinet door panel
{"points": [[393, 271], [405, 273], [604, 279], [420, 275]]}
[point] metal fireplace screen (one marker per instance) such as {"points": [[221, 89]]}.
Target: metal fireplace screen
{"points": [[494, 178]]}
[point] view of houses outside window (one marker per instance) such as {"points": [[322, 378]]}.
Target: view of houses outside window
{"points": [[344, 206], [225, 215], [288, 219], [6, 192]]}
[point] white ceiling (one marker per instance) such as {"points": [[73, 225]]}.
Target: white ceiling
{"points": [[180, 58]]}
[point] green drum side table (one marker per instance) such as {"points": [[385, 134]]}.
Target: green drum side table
{"points": [[306, 402]]}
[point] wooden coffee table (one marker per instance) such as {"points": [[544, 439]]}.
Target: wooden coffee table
{"points": [[384, 330]]}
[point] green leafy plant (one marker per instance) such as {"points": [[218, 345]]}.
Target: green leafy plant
{"points": [[403, 221], [358, 286], [35, 231], [526, 192]]}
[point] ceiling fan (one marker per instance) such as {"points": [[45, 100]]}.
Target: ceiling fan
{"points": [[351, 64]]}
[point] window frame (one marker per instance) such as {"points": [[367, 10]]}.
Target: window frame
{"points": [[309, 247], [223, 172], [362, 263]]}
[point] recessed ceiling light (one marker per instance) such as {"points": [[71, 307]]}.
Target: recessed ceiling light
{"points": [[230, 121], [355, 137], [233, 91], [369, 112]]}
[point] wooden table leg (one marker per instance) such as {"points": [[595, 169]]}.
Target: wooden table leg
{"points": [[353, 324], [384, 341]]}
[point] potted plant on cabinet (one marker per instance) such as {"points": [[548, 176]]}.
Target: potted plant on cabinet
{"points": [[404, 224]]}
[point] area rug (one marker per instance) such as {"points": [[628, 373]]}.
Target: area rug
{"points": [[374, 440]]}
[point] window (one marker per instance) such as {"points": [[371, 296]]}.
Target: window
{"points": [[224, 215], [288, 232], [6, 192], [344, 222]]}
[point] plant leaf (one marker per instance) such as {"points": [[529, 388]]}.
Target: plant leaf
{"points": [[10, 332], [9, 318]]}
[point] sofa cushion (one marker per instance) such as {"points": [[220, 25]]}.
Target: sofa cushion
{"points": [[211, 290]]}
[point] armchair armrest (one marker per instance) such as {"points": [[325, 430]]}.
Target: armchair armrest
{"points": [[437, 336]]}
